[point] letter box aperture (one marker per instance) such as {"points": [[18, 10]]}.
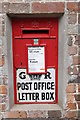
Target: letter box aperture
{"points": [[35, 60]]}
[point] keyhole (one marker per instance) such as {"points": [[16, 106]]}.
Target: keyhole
{"points": [[21, 63]]}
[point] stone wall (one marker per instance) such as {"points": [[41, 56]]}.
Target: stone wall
{"points": [[72, 89], [71, 9]]}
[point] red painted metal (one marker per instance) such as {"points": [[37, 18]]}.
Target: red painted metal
{"points": [[24, 31]]}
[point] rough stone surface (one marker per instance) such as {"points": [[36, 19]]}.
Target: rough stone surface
{"points": [[15, 1], [79, 18], [44, 119], [79, 51], [1, 30], [72, 6], [75, 71], [19, 8], [76, 60], [76, 80], [48, 7], [3, 98], [2, 61], [71, 105], [70, 98], [77, 41], [72, 29], [76, 37], [78, 114], [70, 114], [79, 105], [18, 114], [77, 97], [70, 41], [2, 107], [78, 87], [5, 7], [54, 114], [78, 29], [79, 6], [72, 18], [37, 114], [72, 50], [71, 88], [69, 70], [0, 7], [3, 89]]}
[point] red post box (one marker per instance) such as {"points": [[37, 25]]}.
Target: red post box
{"points": [[35, 60]]}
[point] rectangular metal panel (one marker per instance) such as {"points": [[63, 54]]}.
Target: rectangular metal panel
{"points": [[25, 31]]}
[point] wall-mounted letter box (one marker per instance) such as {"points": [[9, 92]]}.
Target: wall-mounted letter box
{"points": [[35, 60]]}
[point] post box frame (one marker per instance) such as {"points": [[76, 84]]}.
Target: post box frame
{"points": [[14, 69]]}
